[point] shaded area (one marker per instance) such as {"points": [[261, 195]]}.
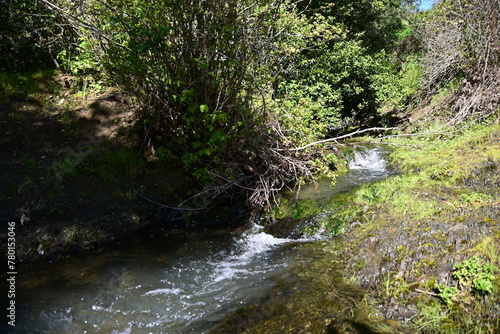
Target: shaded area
{"points": [[69, 174]]}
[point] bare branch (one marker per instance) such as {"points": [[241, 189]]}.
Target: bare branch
{"points": [[336, 138], [76, 22]]}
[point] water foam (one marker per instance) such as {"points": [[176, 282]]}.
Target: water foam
{"points": [[163, 292], [252, 244], [369, 160]]}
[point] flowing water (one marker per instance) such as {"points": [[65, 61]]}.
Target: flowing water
{"points": [[169, 282], [365, 166]]}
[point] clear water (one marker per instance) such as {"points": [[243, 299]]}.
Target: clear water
{"points": [[155, 288], [167, 283]]}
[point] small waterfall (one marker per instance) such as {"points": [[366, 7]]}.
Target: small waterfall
{"points": [[372, 160], [366, 165]]}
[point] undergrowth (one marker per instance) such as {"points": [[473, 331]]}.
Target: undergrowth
{"points": [[25, 85], [470, 303], [435, 184]]}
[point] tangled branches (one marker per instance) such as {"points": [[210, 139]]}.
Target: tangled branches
{"points": [[255, 171], [477, 100], [462, 44]]}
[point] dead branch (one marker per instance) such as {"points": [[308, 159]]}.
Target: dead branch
{"points": [[336, 138], [427, 293], [77, 23]]}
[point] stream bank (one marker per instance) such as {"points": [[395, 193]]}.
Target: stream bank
{"points": [[184, 281], [392, 241], [388, 244], [401, 241]]}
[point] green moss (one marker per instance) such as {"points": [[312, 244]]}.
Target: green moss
{"points": [[435, 169], [316, 299], [448, 157], [432, 188]]}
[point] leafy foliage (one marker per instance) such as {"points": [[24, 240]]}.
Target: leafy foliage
{"points": [[202, 73], [29, 36], [337, 91], [476, 279], [377, 23], [399, 83], [476, 274], [230, 88]]}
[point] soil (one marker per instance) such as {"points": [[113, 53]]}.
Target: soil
{"points": [[59, 205]]}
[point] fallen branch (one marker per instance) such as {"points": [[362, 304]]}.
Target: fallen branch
{"points": [[427, 293], [337, 138]]}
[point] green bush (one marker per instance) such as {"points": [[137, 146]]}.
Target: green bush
{"points": [[30, 36]]}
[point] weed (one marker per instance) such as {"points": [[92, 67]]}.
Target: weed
{"points": [[120, 161], [475, 198], [395, 286], [22, 84], [433, 319], [476, 274], [370, 195], [472, 298], [360, 264], [29, 164], [447, 293], [107, 173]]}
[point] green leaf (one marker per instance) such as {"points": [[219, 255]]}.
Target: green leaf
{"points": [[204, 108]]}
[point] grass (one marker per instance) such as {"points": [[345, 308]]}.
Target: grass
{"points": [[447, 157], [434, 186], [27, 84], [115, 163], [473, 317], [434, 173], [434, 170]]}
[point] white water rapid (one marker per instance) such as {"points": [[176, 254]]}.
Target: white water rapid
{"points": [[371, 160], [155, 290]]}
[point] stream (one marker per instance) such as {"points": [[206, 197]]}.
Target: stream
{"points": [[171, 281]]}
